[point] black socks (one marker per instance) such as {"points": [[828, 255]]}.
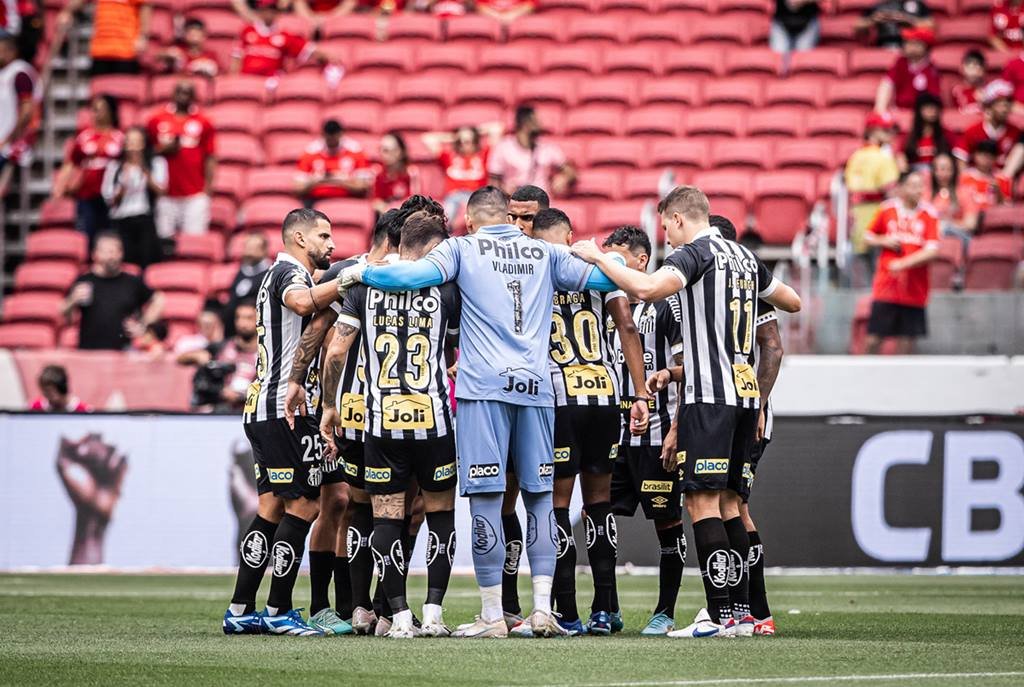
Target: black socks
{"points": [[755, 561], [285, 559], [513, 530], [739, 580], [389, 537], [360, 559], [564, 583], [440, 554], [602, 546], [321, 571], [342, 588], [670, 568], [714, 557], [254, 554]]}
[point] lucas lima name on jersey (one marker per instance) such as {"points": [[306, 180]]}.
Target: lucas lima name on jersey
{"points": [[582, 369]]}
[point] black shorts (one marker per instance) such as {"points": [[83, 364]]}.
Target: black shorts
{"points": [[750, 469], [391, 462], [289, 461], [639, 478], [715, 442], [586, 439], [350, 452], [892, 319]]}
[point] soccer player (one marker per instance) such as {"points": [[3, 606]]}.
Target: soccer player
{"points": [[344, 504], [638, 477], [288, 464], [587, 433], [408, 342], [503, 386], [524, 204], [719, 282]]}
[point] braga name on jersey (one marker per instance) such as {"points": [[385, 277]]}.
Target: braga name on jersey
{"points": [[582, 372]]}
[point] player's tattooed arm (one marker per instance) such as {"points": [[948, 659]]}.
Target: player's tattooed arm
{"points": [[334, 363], [769, 344], [310, 343], [633, 352]]}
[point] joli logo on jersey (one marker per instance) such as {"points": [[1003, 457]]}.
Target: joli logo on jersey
{"points": [[413, 411], [588, 380], [353, 411], [520, 381]]}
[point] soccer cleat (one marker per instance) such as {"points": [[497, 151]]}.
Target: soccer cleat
{"points": [[659, 625], [573, 628], [546, 625], [765, 628], [744, 627], [290, 623], [382, 627], [521, 629], [402, 630], [363, 621], [617, 623], [435, 630], [245, 624], [511, 620], [330, 623], [480, 629], [600, 624], [701, 627]]}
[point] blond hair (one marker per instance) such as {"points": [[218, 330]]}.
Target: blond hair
{"points": [[688, 201]]}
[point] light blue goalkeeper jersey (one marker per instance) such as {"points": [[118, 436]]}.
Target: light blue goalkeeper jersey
{"points": [[508, 282]]}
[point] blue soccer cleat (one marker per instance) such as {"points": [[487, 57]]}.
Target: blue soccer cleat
{"points": [[659, 624], [245, 624], [290, 623], [617, 623], [573, 628], [600, 624]]}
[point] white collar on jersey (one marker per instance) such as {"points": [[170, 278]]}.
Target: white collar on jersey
{"points": [[710, 231], [287, 257]]}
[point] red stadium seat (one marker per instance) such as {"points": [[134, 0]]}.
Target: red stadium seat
{"points": [[740, 152], [992, 262], [957, 121], [728, 192], [33, 307], [45, 275], [642, 185], [945, 270], [240, 87], [293, 23], [240, 149], [350, 213], [121, 86], [764, 61], [456, 57], [853, 6], [488, 89], [797, 91], [221, 277], [569, 59], [739, 91], [356, 116], [594, 119], [180, 307], [573, 147], [655, 28], [620, 6], [57, 244], [606, 89], [57, 214], [595, 27], [271, 181], [507, 60], [835, 122], [692, 61], [721, 120], [557, 88], [688, 154], [265, 211], [350, 242], [870, 61], [552, 118], [619, 152], [220, 23], [1003, 218], [199, 247], [758, 6], [177, 276], [285, 149], [361, 26], [379, 57], [579, 214], [302, 85], [27, 335], [223, 214], [421, 88], [536, 27], [229, 181], [838, 30], [970, 31], [235, 116], [412, 117], [471, 114], [475, 27], [610, 216], [408, 25], [723, 29], [632, 59], [831, 61], [811, 154], [975, 7], [782, 202], [675, 90], [859, 91], [659, 120], [776, 121], [365, 87], [291, 116], [598, 183]]}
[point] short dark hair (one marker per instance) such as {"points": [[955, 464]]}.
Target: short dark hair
{"points": [[489, 199], [632, 237], [389, 227], [688, 201], [248, 302], [724, 226], [533, 193], [113, 106], [987, 147], [523, 112], [418, 202], [549, 218], [974, 55], [55, 376], [421, 228], [108, 234], [306, 217], [194, 23], [158, 329], [902, 178], [332, 127]]}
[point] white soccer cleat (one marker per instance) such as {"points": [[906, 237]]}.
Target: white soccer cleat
{"points": [[744, 627], [546, 625], [521, 629], [701, 627], [363, 620], [401, 629], [480, 629], [435, 630], [382, 628]]}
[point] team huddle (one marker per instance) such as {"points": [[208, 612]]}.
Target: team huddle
{"points": [[568, 362]]}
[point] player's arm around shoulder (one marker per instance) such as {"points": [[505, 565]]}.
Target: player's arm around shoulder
{"points": [[646, 287]]}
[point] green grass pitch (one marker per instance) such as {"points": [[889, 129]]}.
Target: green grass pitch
{"points": [[851, 630]]}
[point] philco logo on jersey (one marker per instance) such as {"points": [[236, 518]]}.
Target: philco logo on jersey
{"points": [[510, 250], [282, 476], [656, 486], [353, 411], [711, 466], [545, 469], [412, 411], [587, 380], [444, 472], [562, 455], [402, 301], [377, 475], [725, 259], [485, 470], [520, 381]]}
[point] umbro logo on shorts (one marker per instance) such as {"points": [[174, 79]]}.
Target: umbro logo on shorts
{"points": [[486, 470], [711, 466]]}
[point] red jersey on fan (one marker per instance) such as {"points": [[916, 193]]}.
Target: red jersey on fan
{"points": [[390, 187], [1013, 72], [1007, 22], [926, 150], [915, 229], [323, 6], [978, 192], [186, 169], [463, 172], [910, 80], [976, 133], [967, 98], [347, 161], [203, 63], [91, 151], [264, 49], [75, 405]]}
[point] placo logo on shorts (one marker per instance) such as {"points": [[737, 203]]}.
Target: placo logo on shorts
{"points": [[562, 455], [351, 469], [377, 475], [656, 486], [407, 411], [711, 466], [545, 469], [486, 470], [280, 475], [444, 472]]}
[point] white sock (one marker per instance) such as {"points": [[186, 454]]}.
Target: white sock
{"points": [[542, 593], [402, 619], [491, 598], [431, 613], [237, 609], [272, 610]]}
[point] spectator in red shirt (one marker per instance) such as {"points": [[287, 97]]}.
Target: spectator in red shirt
{"points": [[1007, 24], [395, 179], [81, 175], [332, 167], [912, 73], [265, 50], [1013, 74], [54, 394], [907, 233], [191, 57], [319, 11], [966, 95], [926, 137], [185, 138], [463, 157], [994, 125], [505, 11], [980, 187]]}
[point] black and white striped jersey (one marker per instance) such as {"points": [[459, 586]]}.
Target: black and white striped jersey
{"points": [[723, 281], [403, 336], [658, 327], [351, 401], [582, 367], [765, 313], [278, 331]]}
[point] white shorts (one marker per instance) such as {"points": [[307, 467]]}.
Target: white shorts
{"points": [[189, 214]]}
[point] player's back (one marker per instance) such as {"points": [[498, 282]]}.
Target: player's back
{"points": [[582, 367], [507, 281]]}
